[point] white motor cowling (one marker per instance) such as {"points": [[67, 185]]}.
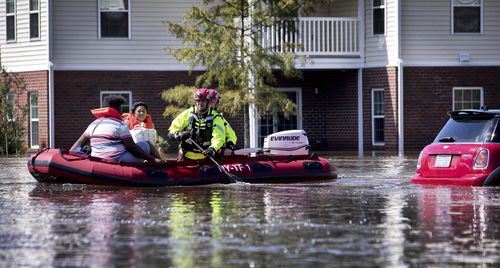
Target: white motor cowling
{"points": [[289, 142]]}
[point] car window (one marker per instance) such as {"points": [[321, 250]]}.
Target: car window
{"points": [[467, 130], [496, 135]]}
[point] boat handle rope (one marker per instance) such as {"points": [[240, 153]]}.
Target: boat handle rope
{"points": [[81, 156], [34, 158]]}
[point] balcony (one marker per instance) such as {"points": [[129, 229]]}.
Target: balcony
{"points": [[315, 36]]}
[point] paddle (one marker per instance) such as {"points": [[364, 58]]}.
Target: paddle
{"points": [[231, 177]]}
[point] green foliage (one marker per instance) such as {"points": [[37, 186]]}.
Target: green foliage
{"points": [[179, 99], [15, 139], [163, 144], [12, 113], [223, 37]]}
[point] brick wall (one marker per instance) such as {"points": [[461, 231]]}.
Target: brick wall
{"points": [[330, 116], [37, 81], [385, 78], [428, 93], [76, 92]]}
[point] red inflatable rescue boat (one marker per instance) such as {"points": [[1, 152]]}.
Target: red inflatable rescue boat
{"points": [[284, 164]]}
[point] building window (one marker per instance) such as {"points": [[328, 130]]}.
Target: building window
{"points": [[467, 16], [467, 98], [10, 17], [378, 116], [378, 17], [114, 18], [34, 19], [125, 108], [34, 127]]}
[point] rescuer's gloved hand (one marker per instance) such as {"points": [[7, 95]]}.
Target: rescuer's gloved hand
{"points": [[172, 136], [183, 135], [179, 136], [230, 145], [209, 152]]}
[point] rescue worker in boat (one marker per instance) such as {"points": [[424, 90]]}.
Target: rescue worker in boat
{"points": [[110, 137], [214, 98], [200, 123]]}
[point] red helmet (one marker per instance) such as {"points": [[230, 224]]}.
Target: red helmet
{"points": [[213, 94], [201, 94]]}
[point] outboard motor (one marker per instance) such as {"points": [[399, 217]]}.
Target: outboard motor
{"points": [[289, 142]]}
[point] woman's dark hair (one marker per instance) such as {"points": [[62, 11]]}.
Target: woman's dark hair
{"points": [[115, 101], [137, 104]]}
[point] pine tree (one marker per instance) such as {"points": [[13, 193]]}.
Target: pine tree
{"points": [[226, 38]]}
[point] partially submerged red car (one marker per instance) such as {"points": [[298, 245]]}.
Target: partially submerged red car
{"points": [[465, 152]]}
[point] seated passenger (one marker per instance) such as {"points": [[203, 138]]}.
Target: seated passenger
{"points": [[110, 137], [141, 124]]}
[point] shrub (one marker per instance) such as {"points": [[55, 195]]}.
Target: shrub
{"points": [[12, 113]]}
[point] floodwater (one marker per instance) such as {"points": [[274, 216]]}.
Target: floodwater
{"points": [[371, 217]]}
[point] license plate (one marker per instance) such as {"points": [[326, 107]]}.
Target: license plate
{"points": [[443, 161]]}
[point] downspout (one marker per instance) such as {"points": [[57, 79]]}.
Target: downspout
{"points": [[361, 150], [401, 143], [51, 106], [51, 76], [361, 38]]}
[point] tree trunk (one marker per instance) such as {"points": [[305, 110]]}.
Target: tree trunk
{"points": [[16, 145], [6, 144]]}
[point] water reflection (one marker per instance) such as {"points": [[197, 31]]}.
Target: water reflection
{"points": [[395, 225], [372, 216], [462, 222], [182, 232], [88, 225]]}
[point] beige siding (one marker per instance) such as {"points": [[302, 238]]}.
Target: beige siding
{"points": [[427, 37], [77, 46], [381, 50], [24, 54], [336, 8]]}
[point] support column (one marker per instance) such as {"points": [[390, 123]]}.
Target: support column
{"points": [[401, 140], [360, 113], [254, 133]]}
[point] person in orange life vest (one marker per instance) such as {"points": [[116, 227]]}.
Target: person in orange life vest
{"points": [[140, 123], [213, 102], [110, 137]]}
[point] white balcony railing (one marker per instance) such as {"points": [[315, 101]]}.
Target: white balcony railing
{"points": [[315, 36]]}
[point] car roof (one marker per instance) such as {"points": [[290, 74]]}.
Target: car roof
{"points": [[475, 113]]}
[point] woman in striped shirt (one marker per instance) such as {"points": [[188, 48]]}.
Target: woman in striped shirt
{"points": [[110, 137]]}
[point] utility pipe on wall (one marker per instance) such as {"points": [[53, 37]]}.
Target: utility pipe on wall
{"points": [[51, 77], [401, 141], [360, 113], [361, 38]]}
